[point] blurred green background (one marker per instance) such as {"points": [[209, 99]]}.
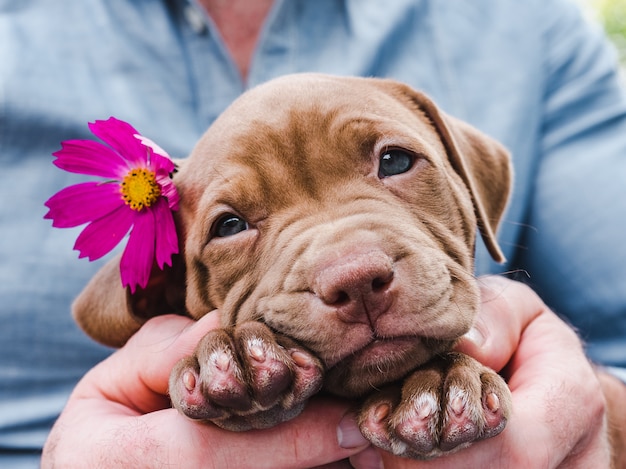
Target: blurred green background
{"points": [[612, 15]]}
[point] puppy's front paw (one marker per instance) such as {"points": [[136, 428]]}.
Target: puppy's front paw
{"points": [[245, 377], [440, 408]]}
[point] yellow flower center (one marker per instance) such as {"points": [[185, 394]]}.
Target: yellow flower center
{"points": [[139, 189]]}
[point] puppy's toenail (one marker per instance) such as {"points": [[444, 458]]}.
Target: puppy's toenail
{"points": [[457, 405], [457, 400], [492, 402], [424, 412], [222, 361], [301, 359], [381, 412], [257, 352], [189, 380]]}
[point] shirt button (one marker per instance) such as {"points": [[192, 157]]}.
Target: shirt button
{"points": [[195, 18]]}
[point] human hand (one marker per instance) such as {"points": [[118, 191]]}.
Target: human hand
{"points": [[119, 416], [558, 404]]}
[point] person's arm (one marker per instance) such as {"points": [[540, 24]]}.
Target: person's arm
{"points": [[119, 416], [559, 409], [615, 394]]}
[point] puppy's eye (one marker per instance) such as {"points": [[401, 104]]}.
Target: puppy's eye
{"points": [[229, 225], [394, 162]]}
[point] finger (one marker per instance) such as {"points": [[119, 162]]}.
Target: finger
{"points": [[371, 458], [307, 441], [136, 375], [164, 341], [507, 308], [343, 464]]}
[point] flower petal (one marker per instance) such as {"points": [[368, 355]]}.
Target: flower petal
{"points": [[165, 232], [89, 157], [120, 136], [150, 144], [102, 235], [138, 257], [168, 190], [82, 203], [159, 163]]}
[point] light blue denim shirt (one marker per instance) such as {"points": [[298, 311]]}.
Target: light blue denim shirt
{"points": [[530, 73]]}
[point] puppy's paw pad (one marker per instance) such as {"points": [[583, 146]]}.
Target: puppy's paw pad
{"points": [[373, 423], [269, 370], [221, 381], [187, 394], [495, 411], [308, 376], [462, 422], [405, 427], [416, 423]]}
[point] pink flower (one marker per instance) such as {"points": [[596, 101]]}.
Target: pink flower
{"points": [[137, 193]]}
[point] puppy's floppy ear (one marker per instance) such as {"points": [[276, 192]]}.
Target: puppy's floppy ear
{"points": [[485, 167], [482, 163]]}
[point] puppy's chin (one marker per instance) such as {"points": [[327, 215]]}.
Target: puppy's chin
{"points": [[381, 362]]}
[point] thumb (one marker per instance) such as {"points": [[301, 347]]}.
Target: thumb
{"points": [[137, 374], [507, 308]]}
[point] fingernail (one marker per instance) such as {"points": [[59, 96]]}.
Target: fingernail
{"points": [[369, 458], [348, 433], [475, 336]]}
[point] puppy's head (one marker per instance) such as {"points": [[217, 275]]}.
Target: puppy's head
{"points": [[341, 212]]}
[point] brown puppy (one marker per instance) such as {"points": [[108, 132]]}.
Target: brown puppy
{"points": [[332, 221]]}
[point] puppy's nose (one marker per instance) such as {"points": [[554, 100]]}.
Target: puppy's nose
{"points": [[357, 286]]}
